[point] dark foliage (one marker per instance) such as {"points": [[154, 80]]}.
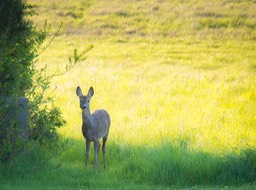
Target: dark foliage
{"points": [[19, 44]]}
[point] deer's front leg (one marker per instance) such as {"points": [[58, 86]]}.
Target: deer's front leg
{"points": [[96, 152], [87, 152]]}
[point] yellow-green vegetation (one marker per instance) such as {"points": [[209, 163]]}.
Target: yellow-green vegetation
{"points": [[178, 79]]}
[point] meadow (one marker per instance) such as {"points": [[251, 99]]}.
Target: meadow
{"points": [[178, 79]]}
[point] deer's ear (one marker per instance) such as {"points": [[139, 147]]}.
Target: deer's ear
{"points": [[90, 92], [79, 91]]}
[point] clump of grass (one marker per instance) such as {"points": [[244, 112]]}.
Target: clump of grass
{"points": [[174, 166]]}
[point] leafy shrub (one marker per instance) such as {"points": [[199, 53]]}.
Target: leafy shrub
{"points": [[19, 47], [19, 42]]}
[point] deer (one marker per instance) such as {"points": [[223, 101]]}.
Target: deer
{"points": [[94, 127]]}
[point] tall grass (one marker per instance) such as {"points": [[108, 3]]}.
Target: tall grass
{"points": [[205, 102], [178, 79]]}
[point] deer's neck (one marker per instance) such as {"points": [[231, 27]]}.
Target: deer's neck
{"points": [[86, 116]]}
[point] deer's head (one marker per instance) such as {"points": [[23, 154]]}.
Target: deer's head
{"points": [[84, 100]]}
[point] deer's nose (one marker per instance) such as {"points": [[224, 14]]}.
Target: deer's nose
{"points": [[83, 107]]}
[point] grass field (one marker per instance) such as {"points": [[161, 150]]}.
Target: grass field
{"points": [[178, 79]]}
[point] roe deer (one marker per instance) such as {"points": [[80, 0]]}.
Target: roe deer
{"points": [[94, 127]]}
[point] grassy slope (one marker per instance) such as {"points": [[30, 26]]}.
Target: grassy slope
{"points": [[179, 82]]}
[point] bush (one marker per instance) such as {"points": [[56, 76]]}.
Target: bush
{"points": [[19, 42], [19, 47]]}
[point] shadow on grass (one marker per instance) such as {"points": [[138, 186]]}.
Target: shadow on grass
{"points": [[130, 165]]}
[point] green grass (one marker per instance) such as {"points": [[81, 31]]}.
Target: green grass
{"points": [[178, 79]]}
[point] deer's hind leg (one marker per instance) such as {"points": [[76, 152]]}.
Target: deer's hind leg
{"points": [[104, 150], [96, 152]]}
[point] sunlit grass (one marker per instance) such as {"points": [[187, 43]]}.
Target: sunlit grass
{"points": [[205, 96]]}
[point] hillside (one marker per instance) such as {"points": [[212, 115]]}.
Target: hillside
{"points": [[153, 19]]}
